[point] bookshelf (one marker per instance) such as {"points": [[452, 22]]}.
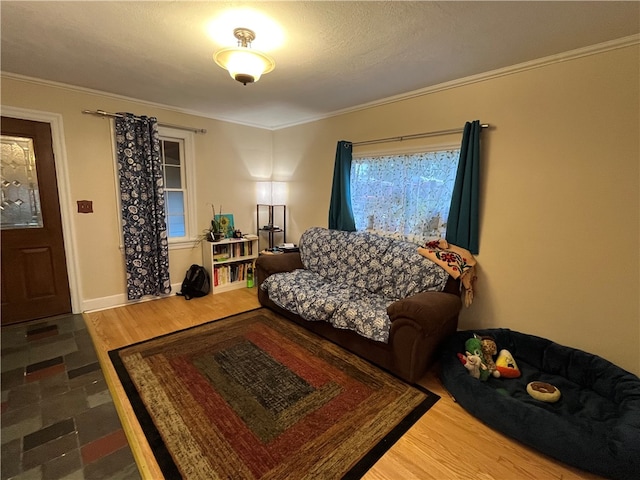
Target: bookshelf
{"points": [[228, 262]]}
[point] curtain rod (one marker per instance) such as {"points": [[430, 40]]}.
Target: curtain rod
{"points": [[102, 113], [415, 135]]}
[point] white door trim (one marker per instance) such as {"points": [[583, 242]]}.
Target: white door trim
{"points": [[64, 193]]}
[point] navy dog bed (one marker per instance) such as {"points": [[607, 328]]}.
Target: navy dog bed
{"points": [[595, 426]]}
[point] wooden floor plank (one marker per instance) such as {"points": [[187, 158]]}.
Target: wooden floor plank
{"points": [[446, 443]]}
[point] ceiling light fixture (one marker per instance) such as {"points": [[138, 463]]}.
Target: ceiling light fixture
{"points": [[244, 64]]}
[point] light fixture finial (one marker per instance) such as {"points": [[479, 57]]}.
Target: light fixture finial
{"points": [[244, 36]]}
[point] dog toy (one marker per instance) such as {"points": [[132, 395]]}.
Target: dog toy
{"points": [[506, 365], [473, 346], [472, 363], [545, 392], [489, 349]]}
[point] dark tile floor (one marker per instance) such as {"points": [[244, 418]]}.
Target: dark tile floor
{"points": [[58, 418]]}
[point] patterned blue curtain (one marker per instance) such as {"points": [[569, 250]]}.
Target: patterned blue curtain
{"points": [[462, 224], [144, 229], [340, 211]]}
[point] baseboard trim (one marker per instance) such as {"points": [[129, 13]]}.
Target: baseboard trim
{"points": [[120, 300]]}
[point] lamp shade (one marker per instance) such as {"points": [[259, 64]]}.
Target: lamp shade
{"points": [[271, 193], [244, 64]]}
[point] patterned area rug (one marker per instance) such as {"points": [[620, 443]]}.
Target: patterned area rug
{"points": [[257, 396]]}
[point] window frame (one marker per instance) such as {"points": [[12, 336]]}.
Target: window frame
{"points": [[186, 140]]}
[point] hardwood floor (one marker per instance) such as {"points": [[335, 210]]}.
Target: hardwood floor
{"points": [[446, 443]]}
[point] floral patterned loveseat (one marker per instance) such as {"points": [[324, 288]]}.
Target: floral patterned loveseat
{"points": [[375, 296]]}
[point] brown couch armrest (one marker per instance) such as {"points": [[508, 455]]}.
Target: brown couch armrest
{"points": [[418, 325], [429, 309], [269, 264]]}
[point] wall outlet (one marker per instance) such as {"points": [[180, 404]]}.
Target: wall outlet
{"points": [[85, 206]]}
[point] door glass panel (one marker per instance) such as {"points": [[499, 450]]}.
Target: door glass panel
{"points": [[20, 202]]}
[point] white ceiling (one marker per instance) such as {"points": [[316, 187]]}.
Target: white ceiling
{"points": [[335, 55]]}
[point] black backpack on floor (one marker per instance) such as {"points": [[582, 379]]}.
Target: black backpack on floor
{"points": [[196, 283]]}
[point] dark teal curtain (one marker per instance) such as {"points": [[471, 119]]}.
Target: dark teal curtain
{"points": [[146, 248], [462, 225], [340, 212]]}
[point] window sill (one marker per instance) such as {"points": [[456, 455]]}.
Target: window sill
{"points": [[177, 245], [182, 244]]}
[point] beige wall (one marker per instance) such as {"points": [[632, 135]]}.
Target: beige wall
{"points": [[559, 246], [229, 158]]}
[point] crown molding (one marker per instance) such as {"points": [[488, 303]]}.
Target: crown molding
{"points": [[115, 96], [481, 77]]}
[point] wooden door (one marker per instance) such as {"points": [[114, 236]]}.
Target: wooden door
{"points": [[35, 283]]}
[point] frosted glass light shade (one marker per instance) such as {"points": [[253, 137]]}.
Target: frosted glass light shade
{"points": [[244, 64], [271, 193]]}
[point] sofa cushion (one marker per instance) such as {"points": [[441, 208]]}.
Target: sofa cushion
{"points": [[306, 293], [391, 268], [406, 273], [315, 298], [366, 315], [344, 257]]}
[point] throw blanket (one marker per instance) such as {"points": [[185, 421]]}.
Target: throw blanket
{"points": [[351, 278], [458, 262]]}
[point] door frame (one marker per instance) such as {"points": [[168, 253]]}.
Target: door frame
{"points": [[64, 192]]}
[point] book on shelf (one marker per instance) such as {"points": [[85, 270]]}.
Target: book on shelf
{"points": [[243, 249], [231, 251], [224, 274]]}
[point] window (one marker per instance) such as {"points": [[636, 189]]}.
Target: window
{"points": [[176, 149], [174, 187], [408, 194]]}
